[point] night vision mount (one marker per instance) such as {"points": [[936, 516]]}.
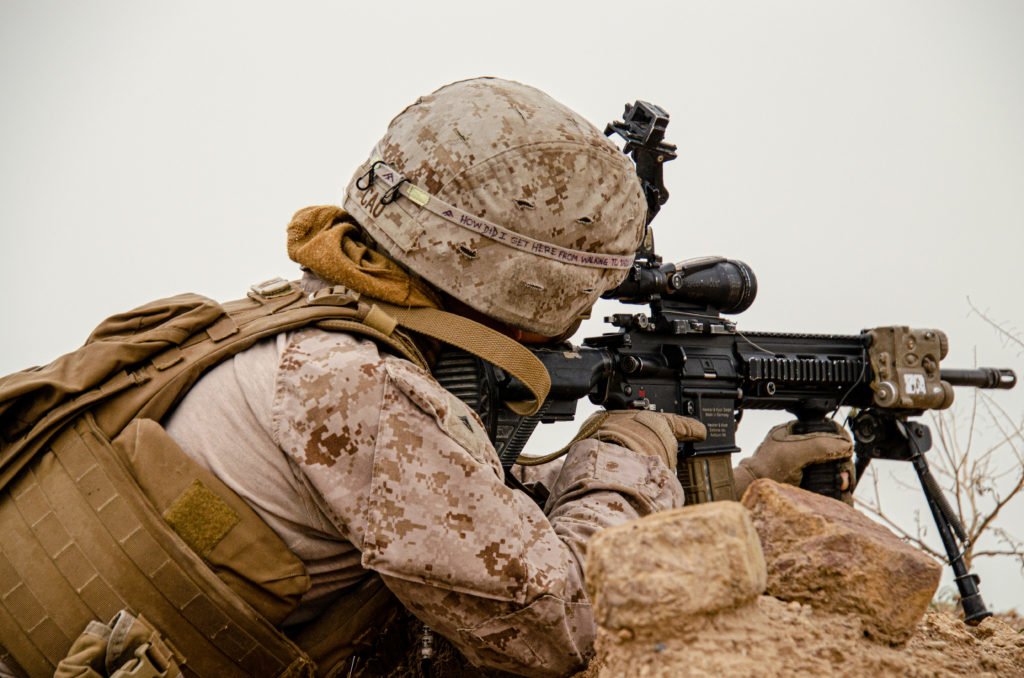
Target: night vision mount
{"points": [[643, 127]]}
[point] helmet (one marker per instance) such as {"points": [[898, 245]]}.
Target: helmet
{"points": [[505, 199]]}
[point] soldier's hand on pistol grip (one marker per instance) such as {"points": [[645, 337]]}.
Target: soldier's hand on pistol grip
{"points": [[783, 455], [656, 434]]}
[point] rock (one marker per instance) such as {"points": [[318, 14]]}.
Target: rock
{"points": [[674, 567], [822, 552]]}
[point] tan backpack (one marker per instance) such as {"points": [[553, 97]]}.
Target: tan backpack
{"points": [[101, 511]]}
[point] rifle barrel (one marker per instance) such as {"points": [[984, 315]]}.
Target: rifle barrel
{"points": [[982, 377]]}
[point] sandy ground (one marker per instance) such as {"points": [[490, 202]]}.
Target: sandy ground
{"points": [[774, 638]]}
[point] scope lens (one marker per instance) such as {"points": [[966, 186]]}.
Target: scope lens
{"points": [[729, 286]]}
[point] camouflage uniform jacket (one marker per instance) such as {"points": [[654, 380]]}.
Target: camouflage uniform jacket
{"points": [[361, 461]]}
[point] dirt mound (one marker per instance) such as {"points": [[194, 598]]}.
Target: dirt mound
{"points": [[991, 648], [775, 638], [843, 597]]}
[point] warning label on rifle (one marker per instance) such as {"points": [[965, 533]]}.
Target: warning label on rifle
{"points": [[718, 419]]}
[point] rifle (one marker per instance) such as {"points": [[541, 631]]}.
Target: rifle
{"points": [[685, 357]]}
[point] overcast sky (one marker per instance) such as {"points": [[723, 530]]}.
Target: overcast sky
{"points": [[865, 158]]}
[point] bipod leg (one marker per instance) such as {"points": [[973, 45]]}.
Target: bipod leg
{"points": [[948, 524]]}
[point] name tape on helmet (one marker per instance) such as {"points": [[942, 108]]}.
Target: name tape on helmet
{"points": [[454, 215]]}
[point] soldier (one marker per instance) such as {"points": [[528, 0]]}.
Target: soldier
{"points": [[496, 203]]}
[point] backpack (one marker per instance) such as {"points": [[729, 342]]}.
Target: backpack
{"points": [[101, 511]]}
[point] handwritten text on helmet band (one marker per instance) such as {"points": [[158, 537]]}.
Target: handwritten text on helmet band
{"points": [[454, 215]]}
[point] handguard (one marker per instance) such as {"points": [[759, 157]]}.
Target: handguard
{"points": [[905, 377]]}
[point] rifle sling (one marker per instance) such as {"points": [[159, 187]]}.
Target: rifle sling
{"points": [[484, 343]]}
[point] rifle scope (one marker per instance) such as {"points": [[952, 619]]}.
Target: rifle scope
{"points": [[724, 285]]}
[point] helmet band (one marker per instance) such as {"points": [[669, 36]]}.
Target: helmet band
{"points": [[399, 185]]}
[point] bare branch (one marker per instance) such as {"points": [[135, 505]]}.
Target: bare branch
{"points": [[1008, 336], [1009, 552]]}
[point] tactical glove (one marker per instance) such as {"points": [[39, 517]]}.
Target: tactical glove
{"points": [[784, 455], [656, 434]]}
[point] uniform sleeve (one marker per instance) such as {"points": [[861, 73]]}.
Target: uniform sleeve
{"points": [[409, 477]]}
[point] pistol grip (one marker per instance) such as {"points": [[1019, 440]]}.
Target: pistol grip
{"points": [[824, 479]]}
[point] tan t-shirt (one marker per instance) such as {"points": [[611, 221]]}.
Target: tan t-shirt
{"points": [[361, 461]]}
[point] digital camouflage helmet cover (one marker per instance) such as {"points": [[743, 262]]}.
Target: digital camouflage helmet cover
{"points": [[505, 199]]}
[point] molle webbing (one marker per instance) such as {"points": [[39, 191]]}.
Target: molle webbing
{"points": [[217, 524], [81, 542], [80, 539]]}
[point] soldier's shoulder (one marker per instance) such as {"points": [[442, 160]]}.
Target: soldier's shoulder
{"points": [[329, 392], [455, 418], [312, 351]]}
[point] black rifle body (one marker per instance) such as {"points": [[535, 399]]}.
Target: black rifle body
{"points": [[695, 363]]}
